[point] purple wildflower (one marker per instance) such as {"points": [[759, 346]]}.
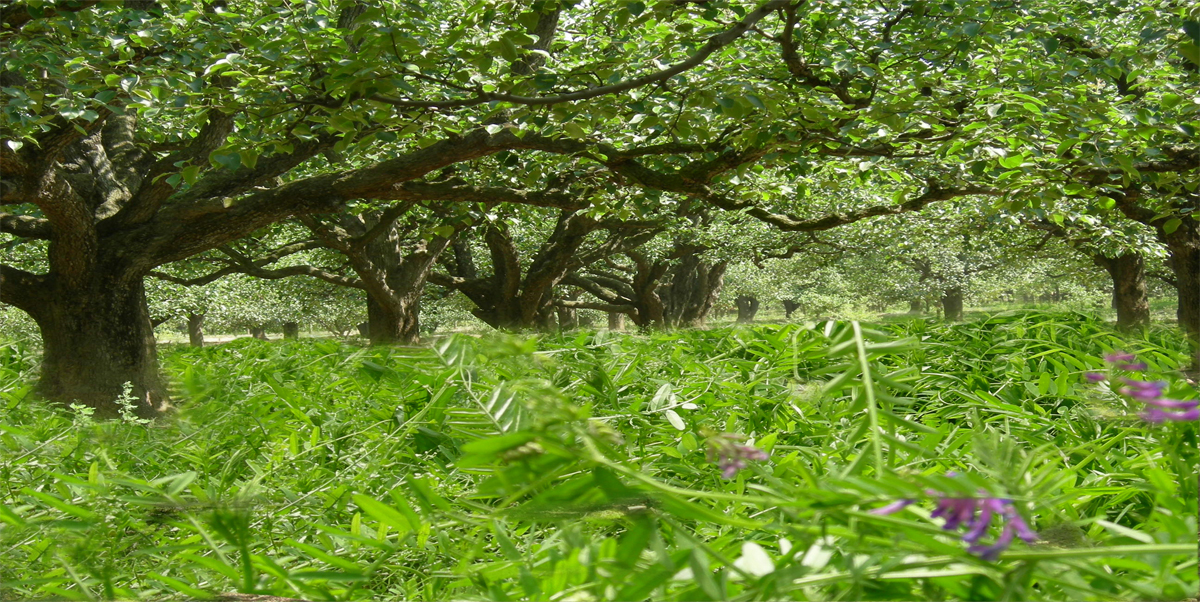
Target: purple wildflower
{"points": [[894, 507], [1148, 392], [976, 515], [1015, 525], [1157, 415], [730, 455], [1134, 367], [1174, 404], [1142, 390]]}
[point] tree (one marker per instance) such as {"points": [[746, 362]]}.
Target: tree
{"points": [[520, 294], [175, 134]]}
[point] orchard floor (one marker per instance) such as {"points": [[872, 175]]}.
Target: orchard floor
{"points": [[589, 466]]}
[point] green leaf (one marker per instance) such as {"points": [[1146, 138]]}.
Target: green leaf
{"points": [[508, 50], [1012, 161], [383, 513], [662, 398], [1172, 225]]}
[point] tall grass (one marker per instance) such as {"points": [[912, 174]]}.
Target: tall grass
{"points": [[575, 468]]}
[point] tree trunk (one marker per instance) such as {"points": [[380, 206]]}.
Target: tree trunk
{"points": [[364, 329], [692, 290], [97, 338], [393, 322], [1128, 274], [195, 328], [915, 306], [259, 332], [291, 330], [789, 306], [747, 307], [616, 320], [1184, 247], [952, 304], [568, 318]]}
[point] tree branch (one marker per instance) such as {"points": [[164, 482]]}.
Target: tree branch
{"points": [[714, 44], [24, 290], [25, 226]]}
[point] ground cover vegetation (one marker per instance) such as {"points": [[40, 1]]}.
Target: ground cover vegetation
{"points": [[517, 252], [601, 466]]}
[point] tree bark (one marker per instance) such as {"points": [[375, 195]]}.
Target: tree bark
{"points": [[747, 307], [1184, 247], [195, 327], [393, 322], [568, 318], [291, 330], [915, 306], [952, 304], [506, 299], [1128, 272], [692, 290], [616, 320], [789, 306], [95, 339], [259, 333]]}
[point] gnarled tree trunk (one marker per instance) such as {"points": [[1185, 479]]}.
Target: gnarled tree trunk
{"points": [[616, 320], [195, 328], [291, 330], [1128, 272], [392, 322], [747, 307], [952, 304], [692, 290], [1184, 247], [789, 306], [96, 338], [506, 299]]}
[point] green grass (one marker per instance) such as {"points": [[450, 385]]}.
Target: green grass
{"points": [[573, 468]]}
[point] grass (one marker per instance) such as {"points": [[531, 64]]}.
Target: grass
{"points": [[574, 467]]}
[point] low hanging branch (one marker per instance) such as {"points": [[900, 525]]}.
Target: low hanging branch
{"points": [[241, 264]]}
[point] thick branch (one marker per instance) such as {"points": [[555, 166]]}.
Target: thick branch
{"points": [[25, 226], [789, 223], [24, 290], [458, 191], [611, 307]]}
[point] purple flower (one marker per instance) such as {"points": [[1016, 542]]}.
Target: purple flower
{"points": [[1149, 392], [976, 515], [894, 507], [1134, 367], [1119, 356], [1014, 526], [1174, 404], [1142, 390], [1157, 415], [730, 455]]}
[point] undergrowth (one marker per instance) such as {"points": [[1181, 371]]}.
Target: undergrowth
{"points": [[578, 467]]}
